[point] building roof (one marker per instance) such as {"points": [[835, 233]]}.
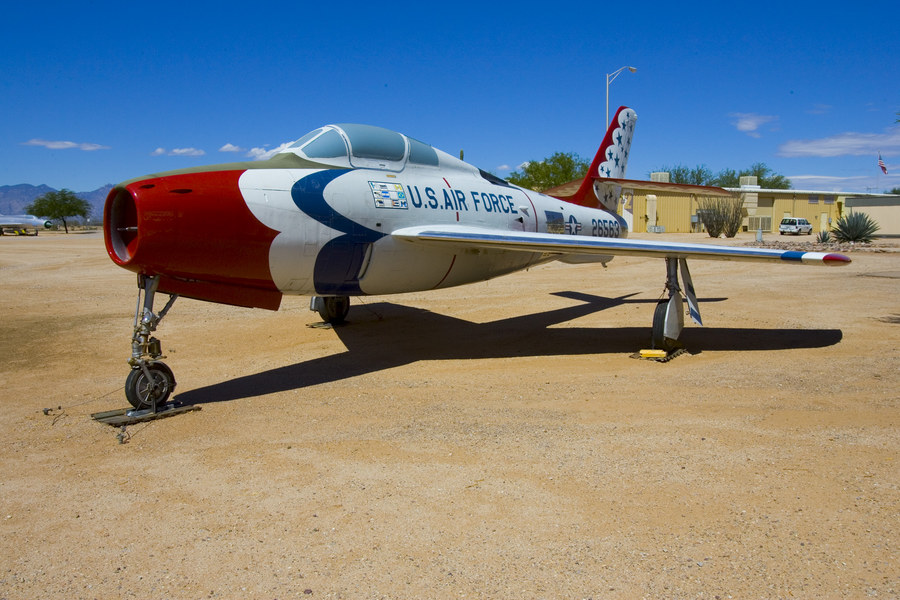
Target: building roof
{"points": [[568, 189], [758, 190]]}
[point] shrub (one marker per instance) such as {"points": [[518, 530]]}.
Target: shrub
{"points": [[823, 237], [855, 227], [721, 215]]}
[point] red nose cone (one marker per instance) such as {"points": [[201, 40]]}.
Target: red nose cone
{"points": [[195, 231]]}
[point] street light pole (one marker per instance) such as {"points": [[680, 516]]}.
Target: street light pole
{"points": [[610, 77]]}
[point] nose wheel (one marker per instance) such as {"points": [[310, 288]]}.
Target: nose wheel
{"points": [[150, 382], [149, 386]]}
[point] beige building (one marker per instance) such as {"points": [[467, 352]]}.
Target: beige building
{"points": [[659, 206], [884, 210], [655, 206], [765, 208]]}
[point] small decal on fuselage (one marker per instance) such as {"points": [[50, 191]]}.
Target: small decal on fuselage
{"points": [[388, 195]]}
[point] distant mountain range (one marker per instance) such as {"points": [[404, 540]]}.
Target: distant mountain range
{"points": [[14, 198]]}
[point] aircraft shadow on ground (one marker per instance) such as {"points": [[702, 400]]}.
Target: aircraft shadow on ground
{"points": [[395, 335]]}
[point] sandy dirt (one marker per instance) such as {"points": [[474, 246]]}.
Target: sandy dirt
{"points": [[489, 441]]}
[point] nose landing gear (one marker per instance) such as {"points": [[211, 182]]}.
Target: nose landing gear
{"points": [[150, 381], [149, 385]]}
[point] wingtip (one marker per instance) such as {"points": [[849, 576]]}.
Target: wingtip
{"points": [[836, 260]]}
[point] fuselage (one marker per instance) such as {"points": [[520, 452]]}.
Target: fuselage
{"points": [[317, 220], [24, 221]]}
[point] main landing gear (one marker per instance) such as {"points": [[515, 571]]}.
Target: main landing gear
{"points": [[150, 381], [332, 309], [668, 318]]}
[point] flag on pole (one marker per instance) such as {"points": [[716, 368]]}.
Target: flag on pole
{"points": [[881, 164]]}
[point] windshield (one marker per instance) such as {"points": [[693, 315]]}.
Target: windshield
{"points": [[366, 146], [328, 145]]}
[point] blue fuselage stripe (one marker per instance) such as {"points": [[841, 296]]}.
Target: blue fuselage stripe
{"points": [[339, 261]]}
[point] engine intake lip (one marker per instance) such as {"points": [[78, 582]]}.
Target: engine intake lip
{"points": [[121, 225]]}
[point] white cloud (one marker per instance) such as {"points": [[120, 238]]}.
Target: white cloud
{"points": [[749, 123], [845, 144], [258, 153], [51, 145], [263, 154], [230, 148], [186, 152], [826, 179], [503, 168], [63, 145], [856, 183], [178, 152]]}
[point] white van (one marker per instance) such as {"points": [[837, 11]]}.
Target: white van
{"points": [[795, 226]]}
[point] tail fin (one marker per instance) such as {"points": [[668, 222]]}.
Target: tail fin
{"points": [[610, 161]]}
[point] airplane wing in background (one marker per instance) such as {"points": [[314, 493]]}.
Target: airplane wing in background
{"points": [[476, 237]]}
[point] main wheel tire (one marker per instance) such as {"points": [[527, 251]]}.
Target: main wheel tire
{"points": [[334, 309], [658, 335], [658, 339], [142, 392]]}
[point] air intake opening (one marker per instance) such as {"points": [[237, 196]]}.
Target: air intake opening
{"points": [[121, 225]]}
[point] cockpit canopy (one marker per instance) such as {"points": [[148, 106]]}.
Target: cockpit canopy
{"points": [[365, 146]]}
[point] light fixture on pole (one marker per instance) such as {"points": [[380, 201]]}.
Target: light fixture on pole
{"points": [[610, 77]]}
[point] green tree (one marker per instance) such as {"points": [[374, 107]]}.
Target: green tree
{"points": [[61, 205], [767, 178], [896, 190], [727, 178], [701, 175], [558, 169]]}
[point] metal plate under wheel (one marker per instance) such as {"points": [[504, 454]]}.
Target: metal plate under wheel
{"points": [[670, 356], [129, 416]]}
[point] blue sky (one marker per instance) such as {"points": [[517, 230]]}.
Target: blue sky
{"points": [[94, 92]]}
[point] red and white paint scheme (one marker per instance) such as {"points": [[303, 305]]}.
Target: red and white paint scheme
{"points": [[350, 210]]}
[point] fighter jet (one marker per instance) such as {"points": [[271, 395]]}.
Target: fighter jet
{"points": [[351, 210], [20, 224]]}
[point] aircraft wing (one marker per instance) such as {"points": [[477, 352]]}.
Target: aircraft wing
{"points": [[477, 237]]}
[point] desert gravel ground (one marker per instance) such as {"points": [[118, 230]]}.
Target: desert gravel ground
{"points": [[489, 441]]}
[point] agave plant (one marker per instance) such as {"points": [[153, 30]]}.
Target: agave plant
{"points": [[823, 237], [855, 227]]}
